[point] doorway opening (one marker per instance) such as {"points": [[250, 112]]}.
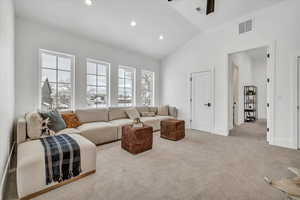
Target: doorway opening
{"points": [[248, 93]]}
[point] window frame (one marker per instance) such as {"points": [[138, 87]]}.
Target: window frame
{"points": [[107, 79], [133, 69], [153, 85], [72, 71]]}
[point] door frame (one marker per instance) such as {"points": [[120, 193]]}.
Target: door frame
{"points": [[295, 92], [212, 92], [271, 75]]}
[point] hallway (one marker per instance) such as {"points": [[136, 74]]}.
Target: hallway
{"points": [[254, 131]]}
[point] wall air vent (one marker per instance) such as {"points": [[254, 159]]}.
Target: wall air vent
{"points": [[246, 26]]}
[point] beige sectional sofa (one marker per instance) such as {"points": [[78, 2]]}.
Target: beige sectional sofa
{"points": [[99, 126]]}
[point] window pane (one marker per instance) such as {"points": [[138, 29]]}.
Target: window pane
{"points": [[121, 73], [91, 80], [64, 96], [147, 88], [49, 74], [91, 95], [48, 91], [128, 83], [101, 96], [48, 61], [102, 69], [128, 75], [101, 81], [64, 77], [91, 68], [64, 63]]}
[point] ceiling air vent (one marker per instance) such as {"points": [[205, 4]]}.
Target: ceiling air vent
{"points": [[245, 26]]}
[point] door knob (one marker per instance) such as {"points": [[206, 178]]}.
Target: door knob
{"points": [[208, 104]]}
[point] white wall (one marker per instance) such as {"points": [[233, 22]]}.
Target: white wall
{"points": [[31, 36], [7, 88], [259, 74], [279, 23]]}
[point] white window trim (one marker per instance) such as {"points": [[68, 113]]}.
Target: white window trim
{"points": [[107, 78], [153, 84], [134, 84], [55, 53]]}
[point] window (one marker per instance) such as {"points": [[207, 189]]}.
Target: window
{"points": [[147, 88], [126, 86], [56, 82], [97, 83]]}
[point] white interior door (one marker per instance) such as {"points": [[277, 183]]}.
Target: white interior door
{"points": [[201, 101]]}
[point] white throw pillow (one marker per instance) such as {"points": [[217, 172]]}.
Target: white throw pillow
{"points": [[163, 110], [34, 125], [133, 113]]}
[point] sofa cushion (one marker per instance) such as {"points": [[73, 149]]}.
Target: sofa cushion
{"points": [[160, 118], [141, 109], [151, 121], [68, 131], [71, 120], [120, 123], [99, 132], [34, 125], [117, 113], [132, 113], [163, 110], [92, 115], [56, 122]]}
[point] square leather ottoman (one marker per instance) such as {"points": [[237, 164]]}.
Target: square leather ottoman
{"points": [[172, 129], [137, 140]]}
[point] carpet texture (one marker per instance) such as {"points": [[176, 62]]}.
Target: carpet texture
{"points": [[200, 167]]}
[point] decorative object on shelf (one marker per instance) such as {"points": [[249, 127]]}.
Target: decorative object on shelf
{"points": [[250, 103], [137, 123]]}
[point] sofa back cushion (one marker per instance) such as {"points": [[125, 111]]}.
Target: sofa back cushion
{"points": [[117, 113], [153, 109], [142, 109], [92, 115], [133, 113], [163, 110]]}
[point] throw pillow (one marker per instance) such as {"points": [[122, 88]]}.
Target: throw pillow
{"points": [[56, 122], [71, 120], [132, 113], [34, 125], [163, 110], [148, 114]]}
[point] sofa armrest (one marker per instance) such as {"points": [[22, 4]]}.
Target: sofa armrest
{"points": [[173, 111], [21, 130]]}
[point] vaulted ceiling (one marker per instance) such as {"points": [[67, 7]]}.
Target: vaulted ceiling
{"points": [[108, 21]]}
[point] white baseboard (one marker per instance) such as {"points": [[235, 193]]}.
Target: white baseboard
{"points": [[5, 173], [284, 142], [221, 132]]}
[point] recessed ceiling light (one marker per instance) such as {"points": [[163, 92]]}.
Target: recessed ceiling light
{"points": [[161, 37], [88, 2], [133, 23]]}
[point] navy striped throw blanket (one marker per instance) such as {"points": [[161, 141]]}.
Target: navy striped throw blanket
{"points": [[62, 158]]}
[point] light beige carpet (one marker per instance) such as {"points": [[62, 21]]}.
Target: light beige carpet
{"points": [[200, 167]]}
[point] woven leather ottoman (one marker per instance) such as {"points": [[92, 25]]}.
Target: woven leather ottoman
{"points": [[172, 129], [137, 140]]}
